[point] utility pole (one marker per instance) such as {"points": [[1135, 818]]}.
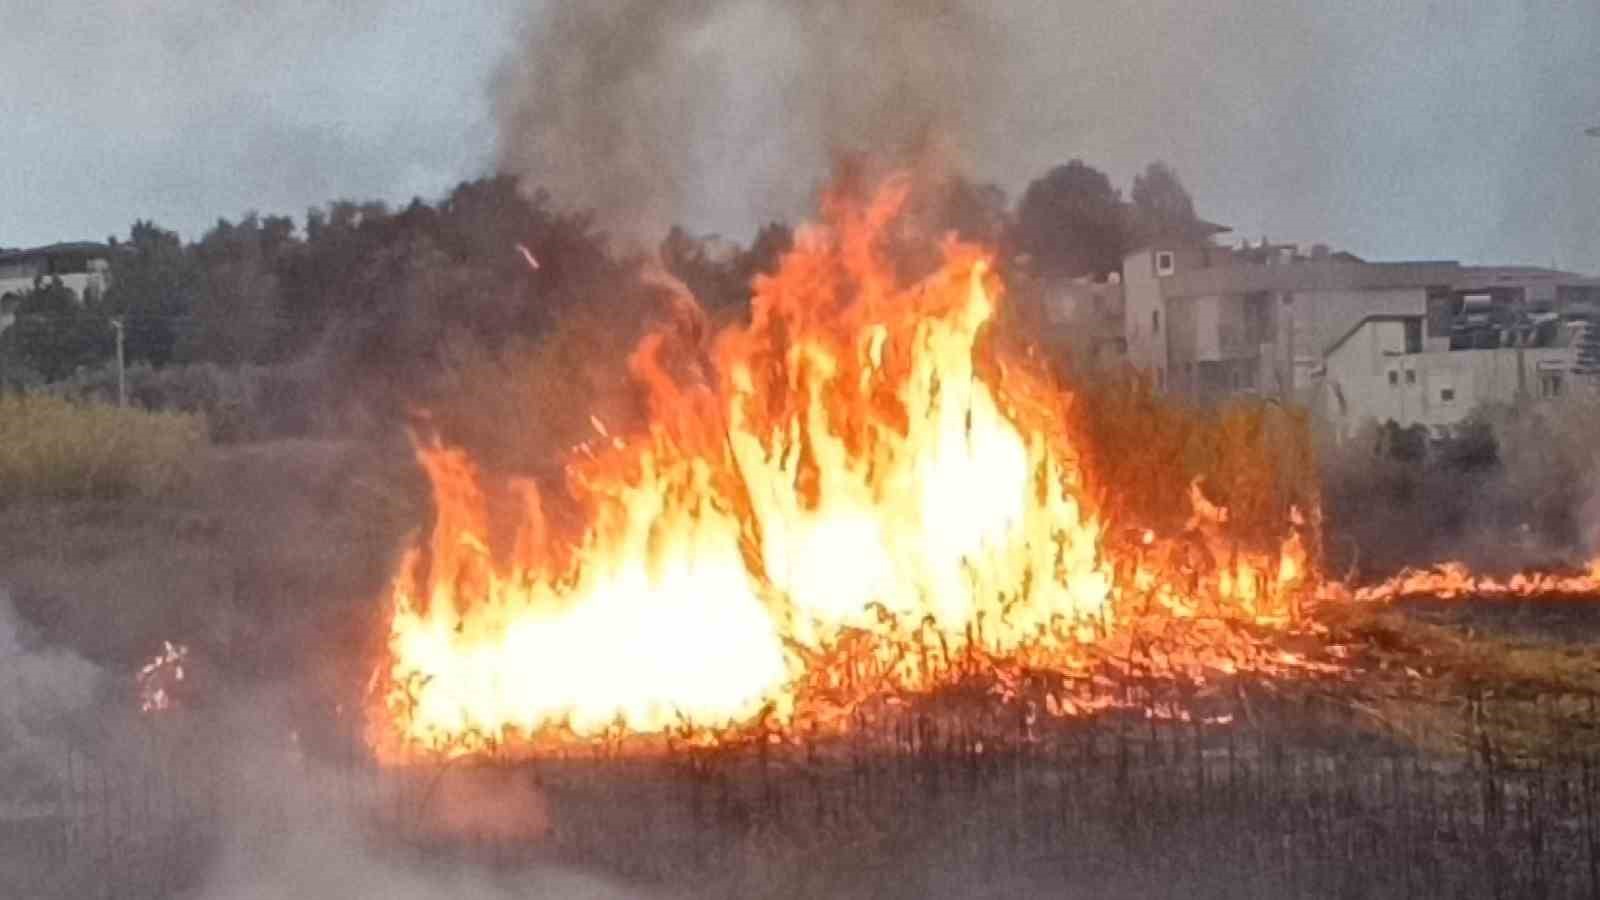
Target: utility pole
{"points": [[122, 372]]}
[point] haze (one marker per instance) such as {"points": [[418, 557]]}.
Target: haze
{"points": [[1395, 130]]}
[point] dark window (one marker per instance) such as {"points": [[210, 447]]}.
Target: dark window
{"points": [[1447, 395], [1411, 376], [1394, 378], [1413, 335], [1258, 319], [1442, 310], [1164, 263], [1155, 321], [1550, 384]]}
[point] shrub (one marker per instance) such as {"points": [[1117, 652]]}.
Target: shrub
{"points": [[241, 403], [53, 447], [1511, 486]]}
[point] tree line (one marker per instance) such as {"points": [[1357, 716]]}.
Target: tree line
{"points": [[384, 290]]}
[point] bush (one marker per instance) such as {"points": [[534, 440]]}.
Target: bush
{"points": [[54, 447], [1511, 486], [240, 403]]}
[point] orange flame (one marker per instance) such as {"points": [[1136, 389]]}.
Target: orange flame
{"points": [[863, 484], [1453, 579]]}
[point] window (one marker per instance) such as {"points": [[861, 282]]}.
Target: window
{"points": [[1550, 384], [1165, 264], [1394, 378], [1155, 321], [1411, 376], [1447, 395], [1413, 335]]}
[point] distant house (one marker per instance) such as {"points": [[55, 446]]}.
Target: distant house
{"points": [[1419, 342], [82, 266]]}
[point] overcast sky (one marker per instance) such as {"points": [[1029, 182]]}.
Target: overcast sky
{"points": [[1393, 128]]}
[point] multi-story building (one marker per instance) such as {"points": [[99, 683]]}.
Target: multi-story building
{"points": [[1420, 342], [1081, 319]]}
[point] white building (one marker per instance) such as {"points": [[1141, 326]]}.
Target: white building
{"points": [[82, 266], [1420, 342], [1379, 372]]}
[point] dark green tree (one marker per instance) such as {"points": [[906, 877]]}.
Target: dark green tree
{"points": [[1072, 222], [56, 333], [154, 286], [1161, 204]]}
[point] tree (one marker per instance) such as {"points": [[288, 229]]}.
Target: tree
{"points": [[155, 284], [1072, 222], [1161, 205], [719, 274], [238, 315], [56, 333], [973, 211]]}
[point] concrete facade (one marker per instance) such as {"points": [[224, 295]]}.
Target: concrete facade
{"points": [[1082, 320], [1419, 342], [1377, 374]]}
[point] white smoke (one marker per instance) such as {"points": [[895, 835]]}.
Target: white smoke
{"points": [[43, 692]]}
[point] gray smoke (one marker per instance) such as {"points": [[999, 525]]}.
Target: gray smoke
{"points": [[633, 107]]}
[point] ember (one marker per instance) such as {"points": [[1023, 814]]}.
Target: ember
{"points": [[159, 679]]}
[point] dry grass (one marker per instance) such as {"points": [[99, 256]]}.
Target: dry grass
{"points": [[1482, 678], [258, 547], [54, 448]]}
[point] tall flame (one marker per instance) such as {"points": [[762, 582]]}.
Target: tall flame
{"points": [[861, 464]]}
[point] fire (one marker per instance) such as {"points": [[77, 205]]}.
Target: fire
{"points": [[1453, 579], [159, 679], [857, 493]]}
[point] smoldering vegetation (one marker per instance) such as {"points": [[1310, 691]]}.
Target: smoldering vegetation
{"points": [[1510, 488]]}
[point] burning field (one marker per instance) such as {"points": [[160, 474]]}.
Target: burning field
{"points": [[863, 583], [859, 497]]}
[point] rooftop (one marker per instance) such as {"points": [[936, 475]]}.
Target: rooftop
{"points": [[89, 248], [1331, 274]]}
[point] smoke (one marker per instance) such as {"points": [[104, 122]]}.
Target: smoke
{"points": [[43, 691], [647, 112]]}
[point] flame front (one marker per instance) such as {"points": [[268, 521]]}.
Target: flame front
{"points": [[862, 464]]}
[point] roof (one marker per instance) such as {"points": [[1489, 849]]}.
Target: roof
{"points": [[1311, 275], [77, 247]]}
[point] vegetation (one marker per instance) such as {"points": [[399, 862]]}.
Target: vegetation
{"points": [[1254, 457], [52, 447], [1512, 487]]}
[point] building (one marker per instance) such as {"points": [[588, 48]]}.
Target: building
{"points": [[1381, 372], [82, 266], [1082, 320], [1419, 342]]}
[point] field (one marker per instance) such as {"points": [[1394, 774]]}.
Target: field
{"points": [[1460, 759]]}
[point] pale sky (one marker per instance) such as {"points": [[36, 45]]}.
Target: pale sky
{"points": [[1392, 128]]}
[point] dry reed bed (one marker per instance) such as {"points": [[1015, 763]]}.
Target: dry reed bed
{"points": [[1300, 803]]}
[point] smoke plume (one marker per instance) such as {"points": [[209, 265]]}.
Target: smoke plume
{"points": [[632, 107]]}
